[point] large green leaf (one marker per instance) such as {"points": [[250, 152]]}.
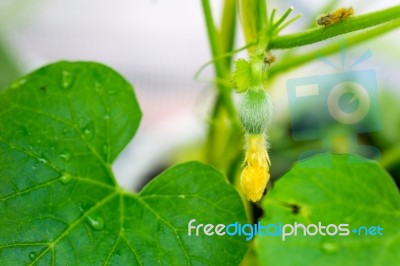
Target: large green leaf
{"points": [[339, 189], [60, 129]]}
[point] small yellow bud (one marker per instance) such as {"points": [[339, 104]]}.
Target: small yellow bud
{"points": [[255, 175]]}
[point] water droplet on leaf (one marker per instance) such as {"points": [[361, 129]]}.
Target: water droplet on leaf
{"points": [[16, 84], [112, 92], [95, 222], [330, 248], [65, 178], [42, 160], [32, 255], [88, 131], [65, 131], [66, 156], [98, 86], [67, 79], [105, 149]]}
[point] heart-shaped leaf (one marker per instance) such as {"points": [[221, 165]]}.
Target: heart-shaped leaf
{"points": [[338, 189], [61, 127]]}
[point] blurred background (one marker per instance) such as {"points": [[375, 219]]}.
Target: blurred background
{"points": [[159, 45]]}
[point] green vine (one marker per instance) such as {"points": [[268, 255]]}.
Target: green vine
{"points": [[294, 61], [319, 33]]}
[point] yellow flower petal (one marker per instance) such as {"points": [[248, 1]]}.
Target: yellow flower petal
{"points": [[255, 175], [253, 181]]}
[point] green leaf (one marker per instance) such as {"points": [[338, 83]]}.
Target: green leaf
{"points": [[242, 77], [60, 129], [338, 189]]}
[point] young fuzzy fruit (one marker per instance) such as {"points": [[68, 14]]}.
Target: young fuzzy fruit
{"points": [[255, 110], [255, 175]]}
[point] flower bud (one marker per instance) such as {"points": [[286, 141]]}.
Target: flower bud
{"points": [[253, 181], [255, 175]]}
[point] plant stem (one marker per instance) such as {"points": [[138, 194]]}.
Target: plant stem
{"points": [[281, 19], [221, 70], [297, 60], [287, 23], [227, 33], [213, 37], [262, 15], [320, 33], [223, 110], [271, 21], [248, 9]]}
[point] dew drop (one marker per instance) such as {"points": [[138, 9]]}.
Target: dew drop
{"points": [[105, 149], [16, 84], [330, 248], [88, 131], [65, 178], [98, 86], [95, 222], [42, 160], [67, 79], [65, 131], [112, 92], [66, 156], [32, 255]]}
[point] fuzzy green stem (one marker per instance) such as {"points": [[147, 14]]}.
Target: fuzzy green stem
{"points": [[298, 60], [320, 33]]}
